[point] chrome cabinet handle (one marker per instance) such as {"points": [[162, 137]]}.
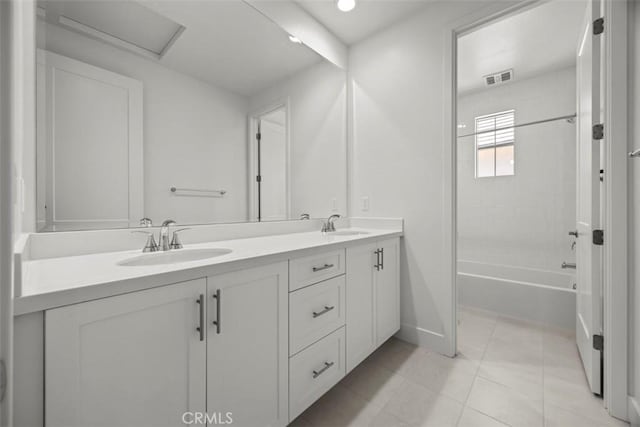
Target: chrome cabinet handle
{"points": [[377, 265], [326, 310], [324, 267], [327, 365], [382, 259], [218, 298], [201, 327]]}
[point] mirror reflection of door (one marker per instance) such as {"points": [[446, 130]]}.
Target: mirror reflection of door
{"points": [[271, 146]]}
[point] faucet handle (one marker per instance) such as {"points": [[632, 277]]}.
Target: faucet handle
{"points": [[151, 245], [175, 239], [146, 222]]}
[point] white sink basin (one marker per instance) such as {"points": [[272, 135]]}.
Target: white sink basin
{"points": [[347, 233], [173, 257]]}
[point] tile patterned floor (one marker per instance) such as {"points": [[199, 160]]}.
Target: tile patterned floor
{"points": [[508, 373]]}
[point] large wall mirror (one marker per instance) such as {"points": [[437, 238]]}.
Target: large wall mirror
{"points": [[198, 111]]}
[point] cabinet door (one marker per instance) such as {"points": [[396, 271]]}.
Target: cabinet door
{"points": [[247, 371], [130, 360], [361, 336], [387, 288]]}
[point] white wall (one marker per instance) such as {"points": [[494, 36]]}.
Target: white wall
{"points": [[194, 133], [317, 101], [397, 157], [634, 211], [521, 220], [24, 216]]}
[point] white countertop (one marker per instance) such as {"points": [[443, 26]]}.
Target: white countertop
{"points": [[55, 282]]}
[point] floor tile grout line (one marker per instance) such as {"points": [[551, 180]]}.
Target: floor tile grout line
{"points": [[475, 375]]}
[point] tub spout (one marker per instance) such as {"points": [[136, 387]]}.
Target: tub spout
{"points": [[569, 265]]}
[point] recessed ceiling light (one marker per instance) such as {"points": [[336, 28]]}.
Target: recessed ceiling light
{"points": [[294, 39], [346, 5]]}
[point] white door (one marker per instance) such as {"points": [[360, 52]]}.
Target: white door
{"points": [[360, 320], [588, 255], [89, 137], [273, 170], [131, 360], [387, 289], [247, 351]]}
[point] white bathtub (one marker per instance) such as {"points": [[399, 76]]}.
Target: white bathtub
{"points": [[540, 296]]}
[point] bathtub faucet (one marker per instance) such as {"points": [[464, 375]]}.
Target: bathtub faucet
{"points": [[569, 265]]}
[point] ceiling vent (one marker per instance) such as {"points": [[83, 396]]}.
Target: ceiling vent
{"points": [[498, 78]]}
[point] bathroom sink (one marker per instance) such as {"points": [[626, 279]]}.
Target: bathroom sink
{"points": [[348, 233], [173, 257]]}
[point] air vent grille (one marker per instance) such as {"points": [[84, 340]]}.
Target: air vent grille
{"points": [[498, 78]]}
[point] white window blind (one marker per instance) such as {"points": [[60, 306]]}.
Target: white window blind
{"points": [[490, 129], [495, 138]]}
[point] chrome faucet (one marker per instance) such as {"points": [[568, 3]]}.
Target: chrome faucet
{"points": [[329, 226], [164, 241], [146, 222]]}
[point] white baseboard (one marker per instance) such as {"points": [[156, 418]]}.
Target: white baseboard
{"points": [[424, 338], [634, 412]]}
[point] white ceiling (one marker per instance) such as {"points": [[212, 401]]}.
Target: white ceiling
{"points": [[539, 40], [368, 17], [225, 43]]}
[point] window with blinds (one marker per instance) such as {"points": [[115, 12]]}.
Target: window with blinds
{"points": [[495, 139]]}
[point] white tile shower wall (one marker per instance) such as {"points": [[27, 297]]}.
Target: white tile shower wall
{"points": [[396, 156], [193, 132], [521, 220], [317, 101]]}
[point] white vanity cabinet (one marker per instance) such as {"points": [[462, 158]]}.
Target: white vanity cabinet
{"points": [[256, 346], [373, 297], [317, 309], [247, 356], [133, 359], [140, 358]]}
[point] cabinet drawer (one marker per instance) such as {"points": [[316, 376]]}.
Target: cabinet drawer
{"points": [[315, 370], [315, 311], [315, 268]]}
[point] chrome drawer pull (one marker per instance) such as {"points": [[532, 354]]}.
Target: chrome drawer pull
{"points": [[324, 267], [327, 365], [217, 322], [326, 310], [201, 327]]}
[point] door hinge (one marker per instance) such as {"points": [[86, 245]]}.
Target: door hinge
{"points": [[598, 342], [258, 178], [598, 132], [258, 136], [601, 175], [598, 237], [598, 26]]}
